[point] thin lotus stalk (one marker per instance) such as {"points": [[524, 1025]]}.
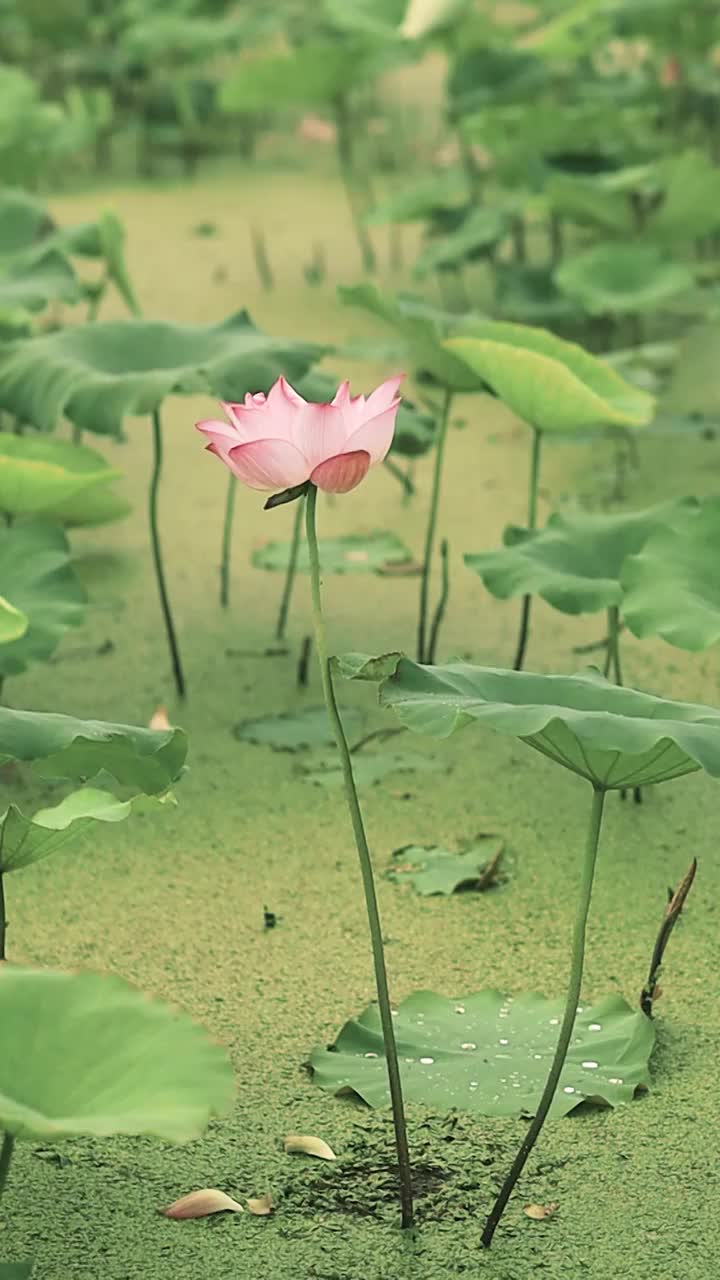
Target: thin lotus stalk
{"points": [[175, 659], [6, 1154], [401, 476], [613, 664], [304, 662], [533, 489], [346, 161], [262, 260], [290, 574], [442, 602], [77, 435], [366, 870], [571, 1005], [3, 918], [432, 526], [226, 552]]}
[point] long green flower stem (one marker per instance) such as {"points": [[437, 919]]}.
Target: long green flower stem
{"points": [[442, 602], [431, 527], [3, 917], [381, 982], [612, 664], [290, 573], [533, 488], [6, 1151], [568, 1022], [227, 540], [157, 555]]}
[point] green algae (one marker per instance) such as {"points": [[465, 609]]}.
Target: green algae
{"points": [[174, 902]]}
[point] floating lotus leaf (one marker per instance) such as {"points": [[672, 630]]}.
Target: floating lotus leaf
{"points": [[575, 562], [617, 279], [97, 374], [147, 760], [355, 553], [433, 870], [369, 767], [672, 587], [690, 208], [588, 201], [491, 1054], [613, 736], [552, 384], [423, 330], [86, 1054], [294, 730], [694, 390], [25, 840], [65, 482], [30, 286], [37, 578], [480, 232]]}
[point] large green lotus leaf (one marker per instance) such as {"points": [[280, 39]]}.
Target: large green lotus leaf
{"points": [[617, 279], [86, 1054], [483, 76], [481, 231], [491, 1054], [31, 285], [421, 200], [589, 202], [147, 760], [694, 389], [13, 622], [354, 553], [691, 205], [96, 374], [65, 482], [23, 220], [575, 562], [432, 870], [423, 331], [314, 73], [613, 736], [552, 384], [294, 730], [37, 577], [24, 840], [672, 587]]}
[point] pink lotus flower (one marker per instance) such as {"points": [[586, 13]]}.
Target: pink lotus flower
{"points": [[280, 441]]}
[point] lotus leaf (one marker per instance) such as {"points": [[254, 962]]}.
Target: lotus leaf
{"points": [[25, 840], [86, 1054], [37, 578], [65, 482], [355, 553], [620, 279], [575, 562], [615, 737], [490, 1053], [552, 384], [97, 374], [144, 760], [672, 586]]}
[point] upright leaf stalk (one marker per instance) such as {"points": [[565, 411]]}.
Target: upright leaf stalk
{"points": [[423, 654], [533, 490], [366, 870]]}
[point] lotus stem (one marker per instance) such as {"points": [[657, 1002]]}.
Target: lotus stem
{"points": [[346, 160], [6, 1153], [290, 573], [366, 870], [3, 917], [614, 642], [432, 525], [533, 489], [568, 1022], [77, 435], [157, 555], [262, 261], [401, 476], [227, 541], [442, 602]]}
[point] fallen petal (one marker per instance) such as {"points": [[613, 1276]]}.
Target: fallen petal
{"points": [[301, 1144], [159, 719], [539, 1211], [198, 1204], [261, 1206]]}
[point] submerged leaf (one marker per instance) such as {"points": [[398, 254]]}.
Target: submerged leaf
{"points": [[353, 553], [369, 767], [303, 1144], [86, 1054], [294, 730], [199, 1204], [491, 1053]]}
